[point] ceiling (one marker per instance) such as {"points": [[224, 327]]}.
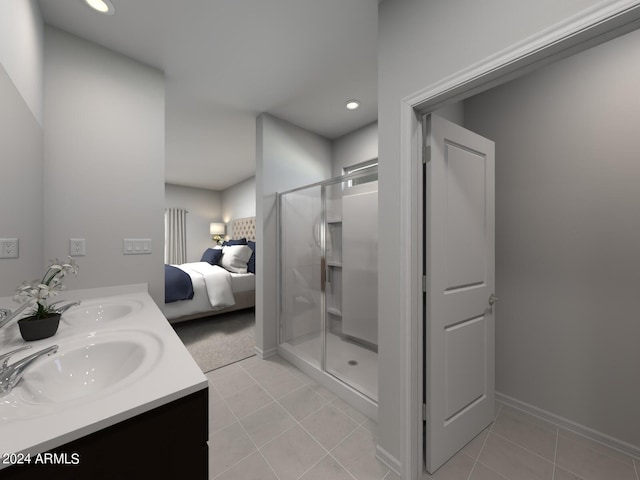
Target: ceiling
{"points": [[226, 61]]}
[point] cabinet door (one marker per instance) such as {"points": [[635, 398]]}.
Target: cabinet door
{"points": [[360, 266]]}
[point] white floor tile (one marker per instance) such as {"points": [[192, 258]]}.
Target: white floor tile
{"points": [[291, 428]]}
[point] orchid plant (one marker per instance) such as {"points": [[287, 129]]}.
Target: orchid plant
{"points": [[39, 290]]}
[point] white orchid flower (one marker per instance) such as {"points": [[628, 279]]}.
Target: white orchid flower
{"points": [[56, 264], [71, 266], [37, 291], [44, 292], [56, 285]]}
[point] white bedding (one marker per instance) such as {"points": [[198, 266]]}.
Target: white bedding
{"points": [[206, 296], [243, 282], [217, 282]]}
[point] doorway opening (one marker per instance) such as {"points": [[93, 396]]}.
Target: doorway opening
{"points": [[460, 89]]}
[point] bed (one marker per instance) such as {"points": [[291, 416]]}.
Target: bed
{"points": [[213, 286]]}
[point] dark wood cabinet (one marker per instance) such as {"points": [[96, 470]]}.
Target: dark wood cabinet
{"points": [[167, 442]]}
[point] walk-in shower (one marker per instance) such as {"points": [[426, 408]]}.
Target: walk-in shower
{"points": [[328, 284]]}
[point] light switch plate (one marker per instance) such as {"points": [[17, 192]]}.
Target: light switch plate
{"points": [[136, 246]]}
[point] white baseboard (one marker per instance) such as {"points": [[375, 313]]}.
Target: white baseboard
{"points": [[389, 460], [559, 421], [266, 353]]}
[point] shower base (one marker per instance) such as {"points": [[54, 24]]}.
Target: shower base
{"points": [[352, 370]]}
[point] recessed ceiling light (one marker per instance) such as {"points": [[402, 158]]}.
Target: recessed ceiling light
{"points": [[352, 104], [102, 6]]}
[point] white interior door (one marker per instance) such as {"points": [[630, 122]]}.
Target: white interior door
{"points": [[459, 237]]}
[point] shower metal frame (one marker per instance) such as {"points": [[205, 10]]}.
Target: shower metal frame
{"points": [[341, 388]]}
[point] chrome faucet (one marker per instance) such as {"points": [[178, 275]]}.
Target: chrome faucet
{"points": [[7, 316], [10, 375], [65, 307]]}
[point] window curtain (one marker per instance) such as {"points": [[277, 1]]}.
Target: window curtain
{"points": [[175, 236]]}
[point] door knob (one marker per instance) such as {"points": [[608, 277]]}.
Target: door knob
{"points": [[493, 299]]}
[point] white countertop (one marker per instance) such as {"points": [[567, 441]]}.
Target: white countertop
{"points": [[173, 375]]}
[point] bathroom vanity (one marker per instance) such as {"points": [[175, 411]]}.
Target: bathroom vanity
{"points": [[122, 397]]}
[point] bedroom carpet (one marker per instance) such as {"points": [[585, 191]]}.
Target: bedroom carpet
{"points": [[219, 340]]}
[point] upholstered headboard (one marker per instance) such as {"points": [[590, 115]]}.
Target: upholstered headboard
{"points": [[244, 228]]}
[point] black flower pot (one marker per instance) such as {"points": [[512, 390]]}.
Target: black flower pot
{"points": [[32, 328]]}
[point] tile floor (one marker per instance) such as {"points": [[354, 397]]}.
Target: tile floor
{"points": [[269, 421], [519, 446]]}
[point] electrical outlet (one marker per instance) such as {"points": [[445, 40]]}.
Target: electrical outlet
{"points": [[8, 248], [77, 247]]}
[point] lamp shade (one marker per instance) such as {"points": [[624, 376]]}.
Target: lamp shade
{"points": [[217, 228]]}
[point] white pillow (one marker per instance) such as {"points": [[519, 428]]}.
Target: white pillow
{"points": [[235, 258]]}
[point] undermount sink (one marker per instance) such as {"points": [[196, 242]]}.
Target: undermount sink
{"points": [[93, 365], [103, 311]]}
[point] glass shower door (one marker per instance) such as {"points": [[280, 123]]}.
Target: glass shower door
{"points": [[301, 247], [329, 279]]}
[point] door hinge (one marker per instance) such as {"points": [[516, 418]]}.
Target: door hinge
{"points": [[426, 154], [424, 412], [424, 283], [426, 147]]}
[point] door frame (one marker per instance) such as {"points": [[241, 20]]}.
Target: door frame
{"points": [[598, 24]]}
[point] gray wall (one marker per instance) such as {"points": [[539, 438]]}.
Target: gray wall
{"points": [[356, 147], [204, 206], [239, 200], [568, 236], [21, 138], [287, 157], [454, 112], [21, 190], [104, 161], [419, 46], [21, 51]]}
